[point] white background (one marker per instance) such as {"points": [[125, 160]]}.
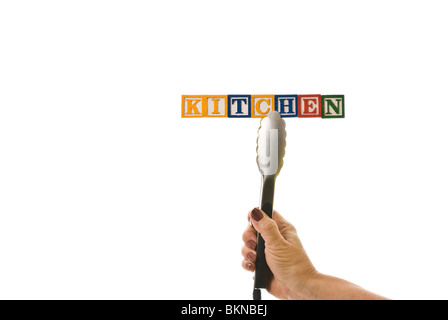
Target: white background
{"points": [[107, 193]]}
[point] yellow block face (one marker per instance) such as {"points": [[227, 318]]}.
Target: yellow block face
{"points": [[193, 106], [215, 106], [261, 105]]}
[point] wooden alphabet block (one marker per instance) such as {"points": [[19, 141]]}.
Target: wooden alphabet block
{"points": [[261, 105], [286, 105], [239, 106], [333, 106], [309, 106], [215, 106], [193, 106]]}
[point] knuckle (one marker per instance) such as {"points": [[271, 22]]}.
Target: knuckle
{"points": [[269, 225], [292, 229]]}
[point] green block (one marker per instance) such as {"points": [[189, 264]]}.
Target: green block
{"points": [[333, 106]]}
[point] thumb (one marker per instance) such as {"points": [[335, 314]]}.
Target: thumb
{"points": [[266, 227]]}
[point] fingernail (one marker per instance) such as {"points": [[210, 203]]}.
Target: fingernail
{"points": [[248, 265], [252, 244], [251, 257], [256, 214]]}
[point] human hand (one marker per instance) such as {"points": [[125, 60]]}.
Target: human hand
{"points": [[293, 274], [291, 268]]}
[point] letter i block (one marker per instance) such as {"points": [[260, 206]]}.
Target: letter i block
{"points": [[333, 106], [286, 105], [261, 105], [238, 106], [215, 106], [193, 106], [310, 106]]}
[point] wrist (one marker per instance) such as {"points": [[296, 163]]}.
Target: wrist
{"points": [[320, 286], [306, 288]]}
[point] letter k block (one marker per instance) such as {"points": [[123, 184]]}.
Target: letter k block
{"points": [[193, 106]]}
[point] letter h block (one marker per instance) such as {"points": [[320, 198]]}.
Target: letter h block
{"points": [[286, 105]]}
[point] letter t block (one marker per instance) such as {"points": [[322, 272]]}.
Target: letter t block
{"points": [[239, 106]]}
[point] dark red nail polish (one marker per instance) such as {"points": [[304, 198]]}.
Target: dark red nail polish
{"points": [[251, 257], [256, 214], [248, 265], [252, 244]]}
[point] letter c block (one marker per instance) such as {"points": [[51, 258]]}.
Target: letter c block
{"points": [[261, 105]]}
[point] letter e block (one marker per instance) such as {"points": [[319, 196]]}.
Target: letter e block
{"points": [[261, 105], [238, 106], [333, 106], [286, 105], [215, 106], [310, 106], [193, 106]]}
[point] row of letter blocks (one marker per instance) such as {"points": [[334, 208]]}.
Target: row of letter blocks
{"points": [[258, 106]]}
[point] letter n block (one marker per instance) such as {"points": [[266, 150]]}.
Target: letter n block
{"points": [[238, 106], [333, 106], [215, 106], [310, 106], [193, 106], [261, 105], [286, 105]]}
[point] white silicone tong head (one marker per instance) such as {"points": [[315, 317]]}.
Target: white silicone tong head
{"points": [[271, 143]]}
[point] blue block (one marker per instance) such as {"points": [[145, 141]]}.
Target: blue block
{"points": [[286, 105], [238, 106]]}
